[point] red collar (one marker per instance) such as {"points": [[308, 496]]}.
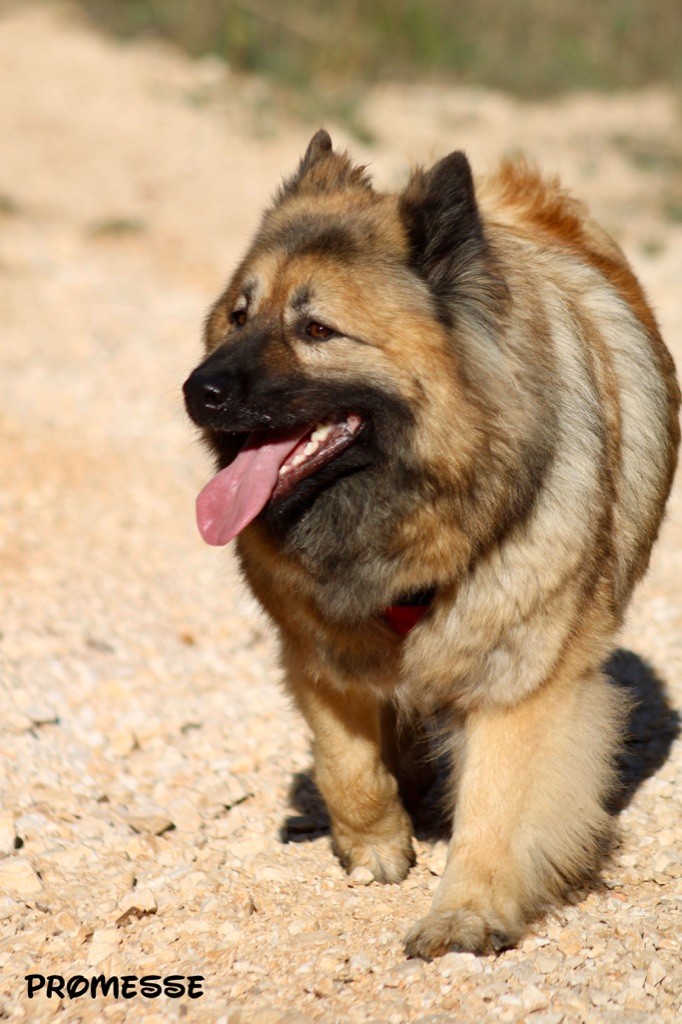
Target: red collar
{"points": [[403, 617]]}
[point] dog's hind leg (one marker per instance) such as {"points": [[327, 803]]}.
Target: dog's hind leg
{"points": [[407, 753]]}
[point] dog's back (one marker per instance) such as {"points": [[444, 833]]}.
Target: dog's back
{"points": [[623, 376]]}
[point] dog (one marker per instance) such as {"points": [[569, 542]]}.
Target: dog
{"points": [[445, 425]]}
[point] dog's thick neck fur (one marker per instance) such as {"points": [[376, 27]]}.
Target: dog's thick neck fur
{"points": [[358, 538]]}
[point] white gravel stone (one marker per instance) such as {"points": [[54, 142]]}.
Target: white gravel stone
{"points": [[18, 877], [155, 822], [40, 714], [136, 904], [533, 999], [656, 973], [7, 835], [437, 859], [103, 944], [358, 964]]}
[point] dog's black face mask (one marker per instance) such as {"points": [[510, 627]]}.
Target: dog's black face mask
{"points": [[282, 438]]}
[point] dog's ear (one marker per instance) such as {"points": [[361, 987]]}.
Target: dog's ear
{"points": [[321, 169], [446, 235], [320, 145], [440, 213]]}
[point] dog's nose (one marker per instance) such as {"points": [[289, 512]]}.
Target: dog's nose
{"points": [[204, 394]]}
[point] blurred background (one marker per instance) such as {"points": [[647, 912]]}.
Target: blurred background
{"points": [[146, 747], [322, 58], [529, 47]]}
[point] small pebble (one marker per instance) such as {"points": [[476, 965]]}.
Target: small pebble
{"points": [[437, 859], [41, 714], [404, 974], [358, 964], [7, 835], [533, 999], [571, 941], [104, 942], [138, 903], [18, 877], [154, 822], [656, 973]]}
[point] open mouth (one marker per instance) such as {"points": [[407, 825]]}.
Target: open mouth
{"points": [[320, 445], [268, 469]]}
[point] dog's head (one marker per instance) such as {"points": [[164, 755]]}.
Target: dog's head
{"points": [[332, 388]]}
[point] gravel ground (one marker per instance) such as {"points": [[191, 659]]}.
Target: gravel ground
{"points": [[150, 767]]}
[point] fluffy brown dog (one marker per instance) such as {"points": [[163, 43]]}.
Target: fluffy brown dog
{"points": [[446, 426]]}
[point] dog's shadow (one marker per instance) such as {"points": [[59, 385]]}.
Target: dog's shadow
{"points": [[652, 728]]}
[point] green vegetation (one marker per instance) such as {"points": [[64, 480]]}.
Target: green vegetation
{"points": [[527, 47], [117, 227], [8, 205], [649, 153], [672, 209]]}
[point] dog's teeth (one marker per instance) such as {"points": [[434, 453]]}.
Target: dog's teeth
{"points": [[321, 432]]}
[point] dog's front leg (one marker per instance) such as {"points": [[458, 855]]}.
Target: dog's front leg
{"points": [[370, 827], [529, 818]]}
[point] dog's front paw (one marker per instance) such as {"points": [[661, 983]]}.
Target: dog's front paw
{"points": [[388, 862], [463, 929], [387, 852]]}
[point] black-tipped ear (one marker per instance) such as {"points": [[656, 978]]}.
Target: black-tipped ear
{"points": [[446, 235], [319, 145], [440, 212], [322, 170]]}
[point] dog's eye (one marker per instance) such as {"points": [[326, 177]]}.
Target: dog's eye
{"points": [[320, 332], [238, 318]]}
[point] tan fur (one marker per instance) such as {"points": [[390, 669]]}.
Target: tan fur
{"points": [[544, 444]]}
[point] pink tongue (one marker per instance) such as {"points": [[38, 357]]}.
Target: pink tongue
{"points": [[239, 492]]}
